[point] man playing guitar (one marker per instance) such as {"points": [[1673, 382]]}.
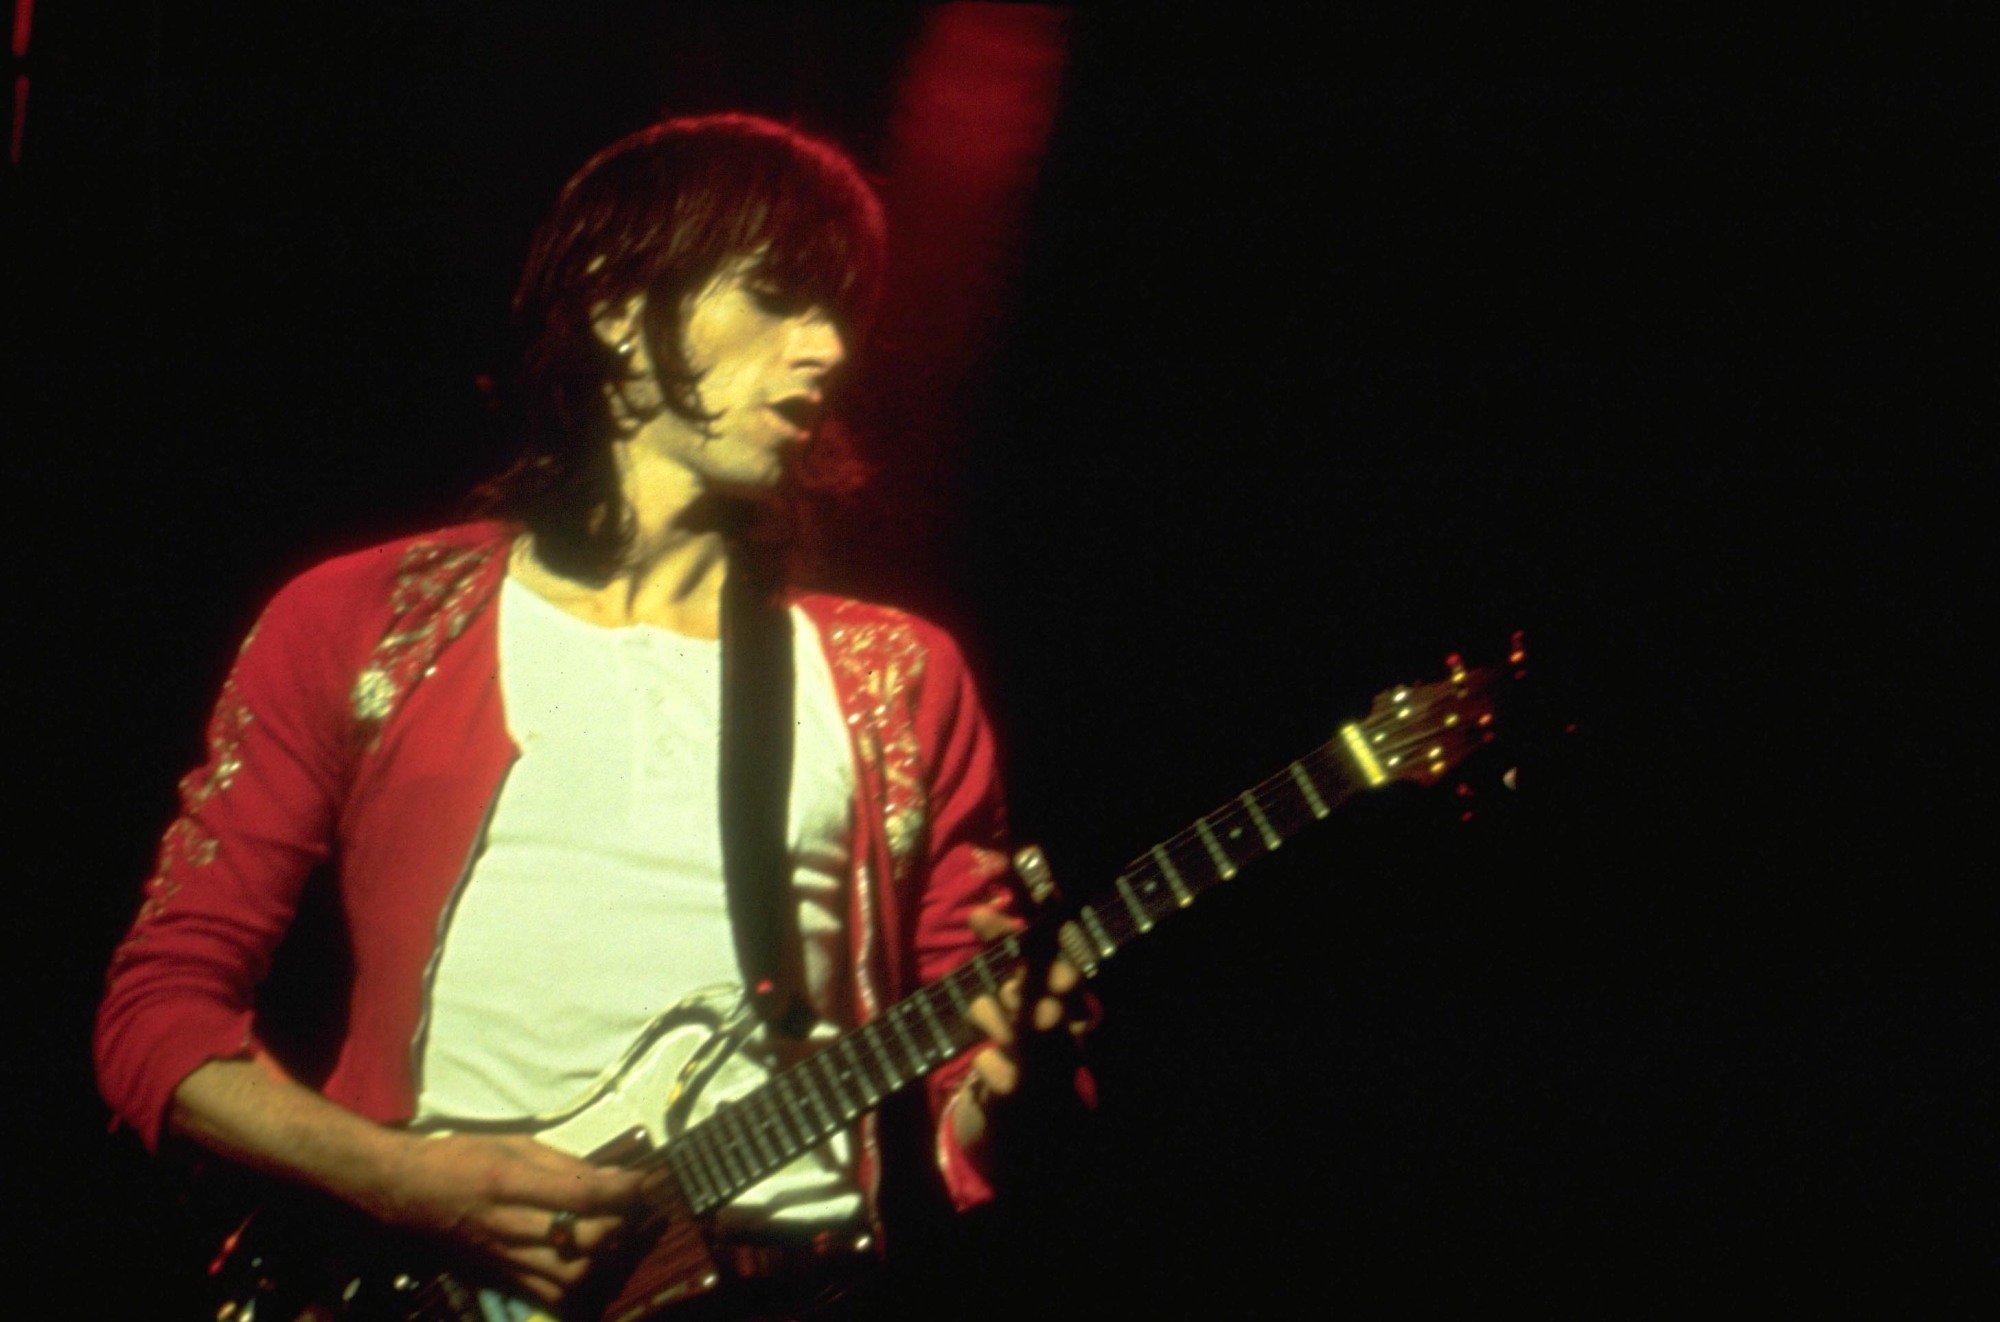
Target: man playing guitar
{"points": [[508, 741]]}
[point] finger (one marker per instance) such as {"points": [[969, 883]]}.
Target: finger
{"points": [[544, 1263], [1079, 1010], [512, 1224], [595, 1232], [561, 1163], [1010, 996], [998, 1071], [990, 924], [515, 1225], [547, 1292], [547, 1282], [987, 1016], [1064, 977], [576, 1186]]}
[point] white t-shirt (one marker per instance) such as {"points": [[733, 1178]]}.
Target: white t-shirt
{"points": [[595, 901]]}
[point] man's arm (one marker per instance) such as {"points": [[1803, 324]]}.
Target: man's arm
{"points": [[175, 1046], [497, 1196]]}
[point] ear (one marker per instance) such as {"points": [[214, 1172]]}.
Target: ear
{"points": [[618, 323]]}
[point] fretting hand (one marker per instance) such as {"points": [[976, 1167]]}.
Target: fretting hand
{"points": [[1030, 1028]]}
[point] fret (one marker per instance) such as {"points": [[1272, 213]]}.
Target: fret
{"points": [[700, 1142], [1363, 755], [771, 1123], [1223, 867], [794, 1125], [852, 1059], [1310, 790], [722, 1153], [1139, 914], [780, 1126], [688, 1175], [891, 1074], [806, 1110], [757, 1115], [794, 1135], [829, 1119], [824, 1060], [918, 1060], [759, 1146], [1100, 937], [735, 1149], [1271, 838], [1173, 875], [981, 972], [955, 993], [928, 1014], [680, 1162]]}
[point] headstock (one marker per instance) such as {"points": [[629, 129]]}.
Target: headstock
{"points": [[1423, 732]]}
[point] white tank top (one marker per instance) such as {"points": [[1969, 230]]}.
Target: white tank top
{"points": [[597, 901]]}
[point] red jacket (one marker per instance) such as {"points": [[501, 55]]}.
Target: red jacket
{"points": [[362, 724]]}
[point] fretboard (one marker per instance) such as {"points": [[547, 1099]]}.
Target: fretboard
{"points": [[806, 1103]]}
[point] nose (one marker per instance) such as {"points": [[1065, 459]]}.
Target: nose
{"points": [[816, 344]]}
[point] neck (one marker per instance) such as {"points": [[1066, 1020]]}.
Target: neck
{"points": [[679, 555]]}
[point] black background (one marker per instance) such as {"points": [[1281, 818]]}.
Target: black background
{"points": [[1328, 349]]}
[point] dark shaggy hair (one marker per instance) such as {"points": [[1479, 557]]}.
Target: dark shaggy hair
{"points": [[661, 213]]}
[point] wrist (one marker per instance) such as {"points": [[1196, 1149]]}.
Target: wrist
{"points": [[379, 1180]]}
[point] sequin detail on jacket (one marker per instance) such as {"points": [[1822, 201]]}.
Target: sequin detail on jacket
{"points": [[438, 589], [187, 843], [878, 657]]}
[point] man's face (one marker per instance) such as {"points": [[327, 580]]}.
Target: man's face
{"points": [[762, 366]]}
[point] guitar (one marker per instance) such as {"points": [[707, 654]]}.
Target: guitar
{"points": [[696, 1160]]}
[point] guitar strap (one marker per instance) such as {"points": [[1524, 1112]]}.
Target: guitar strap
{"points": [[755, 785]]}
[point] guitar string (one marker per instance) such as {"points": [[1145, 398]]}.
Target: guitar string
{"points": [[969, 981], [1278, 798]]}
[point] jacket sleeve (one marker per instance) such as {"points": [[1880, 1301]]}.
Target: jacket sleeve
{"points": [[255, 818], [968, 867]]}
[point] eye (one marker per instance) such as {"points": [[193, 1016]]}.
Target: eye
{"points": [[774, 301]]}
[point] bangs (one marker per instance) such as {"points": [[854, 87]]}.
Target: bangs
{"points": [[820, 266], [808, 222]]}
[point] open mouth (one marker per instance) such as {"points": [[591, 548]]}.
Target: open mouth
{"points": [[802, 411]]}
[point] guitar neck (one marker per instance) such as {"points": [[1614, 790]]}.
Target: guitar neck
{"points": [[805, 1104]]}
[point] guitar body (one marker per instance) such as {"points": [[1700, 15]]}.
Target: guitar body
{"points": [[306, 1259], [675, 1267], [689, 1061]]}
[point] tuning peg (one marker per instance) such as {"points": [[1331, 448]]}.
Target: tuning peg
{"points": [[1511, 778], [1032, 867]]}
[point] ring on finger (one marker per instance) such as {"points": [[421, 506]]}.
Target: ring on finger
{"points": [[562, 1235]]}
